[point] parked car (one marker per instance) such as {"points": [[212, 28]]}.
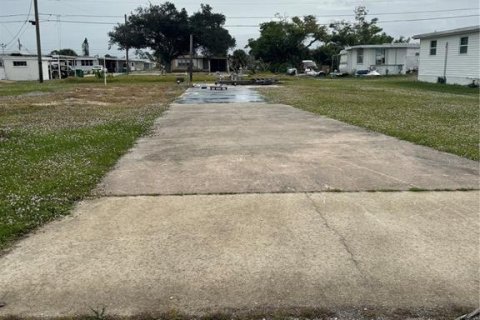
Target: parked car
{"points": [[292, 71], [314, 73], [97, 68], [65, 71]]}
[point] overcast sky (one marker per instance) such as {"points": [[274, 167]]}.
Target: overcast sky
{"points": [[243, 18]]}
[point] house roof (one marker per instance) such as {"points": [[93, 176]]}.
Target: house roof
{"points": [[18, 56], [386, 46], [447, 32], [199, 56]]}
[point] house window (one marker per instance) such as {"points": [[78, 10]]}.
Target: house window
{"points": [[183, 63], [360, 56], [463, 45], [379, 56], [433, 47], [19, 63], [1, 63]]}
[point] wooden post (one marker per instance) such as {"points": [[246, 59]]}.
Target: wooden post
{"points": [[191, 59], [126, 48]]}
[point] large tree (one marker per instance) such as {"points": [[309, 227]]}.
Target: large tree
{"points": [[166, 31], [362, 31], [209, 34], [283, 43]]}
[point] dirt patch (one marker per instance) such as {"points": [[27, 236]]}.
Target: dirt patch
{"points": [[85, 102], [35, 94], [81, 105]]}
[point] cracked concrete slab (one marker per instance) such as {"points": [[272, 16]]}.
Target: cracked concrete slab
{"points": [[211, 253], [258, 147]]}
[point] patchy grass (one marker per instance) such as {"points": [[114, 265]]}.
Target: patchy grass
{"points": [[55, 148], [443, 117]]}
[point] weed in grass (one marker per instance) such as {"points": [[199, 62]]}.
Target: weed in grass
{"points": [[98, 314]]}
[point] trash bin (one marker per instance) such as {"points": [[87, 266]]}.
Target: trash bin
{"points": [[79, 73]]}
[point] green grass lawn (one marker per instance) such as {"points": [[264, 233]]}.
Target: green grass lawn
{"points": [[443, 117], [56, 146]]}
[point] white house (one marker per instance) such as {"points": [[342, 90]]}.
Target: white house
{"points": [[19, 67], [450, 56], [86, 64], [141, 64], [390, 58]]}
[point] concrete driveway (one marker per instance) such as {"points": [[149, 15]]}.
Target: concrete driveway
{"points": [[224, 207], [267, 148]]}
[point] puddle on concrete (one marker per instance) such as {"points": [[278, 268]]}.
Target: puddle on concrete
{"points": [[231, 95]]}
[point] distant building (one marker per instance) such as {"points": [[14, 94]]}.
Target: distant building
{"points": [[394, 58], [118, 65], [19, 67], [450, 56], [85, 64], [200, 64]]}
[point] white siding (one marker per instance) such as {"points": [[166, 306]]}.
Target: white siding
{"points": [[24, 73], [368, 59], [86, 68], [397, 60], [461, 68]]}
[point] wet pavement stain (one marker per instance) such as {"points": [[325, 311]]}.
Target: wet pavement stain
{"points": [[231, 95]]}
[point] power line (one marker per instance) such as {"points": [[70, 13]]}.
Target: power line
{"points": [[253, 17], [379, 21], [23, 25], [256, 25], [249, 17]]}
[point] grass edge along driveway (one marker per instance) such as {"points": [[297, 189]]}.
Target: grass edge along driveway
{"points": [[443, 117], [55, 147]]}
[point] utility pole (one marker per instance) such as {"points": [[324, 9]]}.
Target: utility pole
{"points": [[39, 46], [190, 65], [126, 47]]}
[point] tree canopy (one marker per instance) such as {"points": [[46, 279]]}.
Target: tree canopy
{"points": [[208, 33], [166, 31], [359, 32], [285, 43], [64, 52]]}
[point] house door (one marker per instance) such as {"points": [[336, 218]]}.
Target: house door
{"points": [[219, 65]]}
